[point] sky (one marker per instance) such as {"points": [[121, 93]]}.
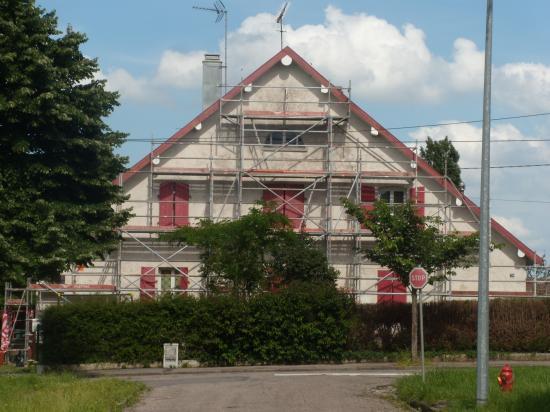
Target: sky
{"points": [[410, 63]]}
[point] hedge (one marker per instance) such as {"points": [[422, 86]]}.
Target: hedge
{"points": [[516, 325], [302, 324]]}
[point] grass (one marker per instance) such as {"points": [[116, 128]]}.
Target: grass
{"points": [[64, 392], [457, 387]]}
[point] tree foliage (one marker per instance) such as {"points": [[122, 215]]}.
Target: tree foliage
{"points": [[405, 240], [56, 191], [244, 256], [304, 323], [437, 152]]}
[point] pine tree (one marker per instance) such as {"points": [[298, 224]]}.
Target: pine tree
{"points": [[57, 200], [437, 152]]}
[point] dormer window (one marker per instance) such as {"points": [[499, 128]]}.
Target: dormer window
{"points": [[284, 137]]}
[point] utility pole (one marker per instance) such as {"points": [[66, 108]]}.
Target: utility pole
{"points": [[485, 224]]}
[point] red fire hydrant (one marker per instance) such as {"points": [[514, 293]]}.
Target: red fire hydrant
{"points": [[506, 378]]}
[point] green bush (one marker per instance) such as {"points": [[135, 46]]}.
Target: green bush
{"points": [[302, 324]]}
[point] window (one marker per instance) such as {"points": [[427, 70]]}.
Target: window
{"points": [[289, 203], [392, 196], [283, 137], [169, 279], [173, 204]]}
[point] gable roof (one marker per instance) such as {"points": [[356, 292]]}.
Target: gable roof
{"points": [[355, 109]]}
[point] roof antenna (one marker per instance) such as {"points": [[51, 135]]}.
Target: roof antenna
{"points": [[280, 18], [221, 13]]}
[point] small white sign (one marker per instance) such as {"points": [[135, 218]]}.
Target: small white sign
{"points": [[170, 359]]}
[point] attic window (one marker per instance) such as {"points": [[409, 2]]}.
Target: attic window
{"points": [[283, 137]]}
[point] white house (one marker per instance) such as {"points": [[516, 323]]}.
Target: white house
{"points": [[287, 134]]}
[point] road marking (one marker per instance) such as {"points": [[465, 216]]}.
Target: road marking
{"points": [[344, 374]]}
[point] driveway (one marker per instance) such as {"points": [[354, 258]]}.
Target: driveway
{"points": [[323, 388]]}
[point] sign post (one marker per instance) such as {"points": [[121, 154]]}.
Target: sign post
{"points": [[418, 279]]}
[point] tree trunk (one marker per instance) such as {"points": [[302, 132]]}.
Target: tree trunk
{"points": [[414, 325]]}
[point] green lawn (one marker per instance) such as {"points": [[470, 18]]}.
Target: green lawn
{"points": [[64, 392], [458, 387]]}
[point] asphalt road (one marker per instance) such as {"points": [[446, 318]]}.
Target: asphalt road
{"points": [[327, 389]]}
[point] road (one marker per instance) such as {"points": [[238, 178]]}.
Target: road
{"points": [[323, 389]]}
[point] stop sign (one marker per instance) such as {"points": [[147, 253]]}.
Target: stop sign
{"points": [[418, 278]]}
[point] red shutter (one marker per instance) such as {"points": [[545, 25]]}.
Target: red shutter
{"points": [[181, 204], [147, 283], [294, 209], [412, 194], [275, 196], [368, 194], [166, 204], [417, 196], [384, 286], [389, 285], [421, 200], [288, 202], [399, 287], [184, 280]]}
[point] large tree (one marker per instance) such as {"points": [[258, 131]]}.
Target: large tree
{"points": [[405, 240], [57, 200], [443, 157], [253, 253]]}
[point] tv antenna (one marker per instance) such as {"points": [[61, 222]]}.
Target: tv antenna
{"points": [[280, 18], [221, 13]]}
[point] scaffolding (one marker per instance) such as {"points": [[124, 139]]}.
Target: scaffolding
{"points": [[318, 156], [295, 139]]}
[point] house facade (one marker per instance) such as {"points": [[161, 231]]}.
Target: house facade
{"points": [[288, 135]]}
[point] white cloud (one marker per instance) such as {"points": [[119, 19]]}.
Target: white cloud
{"points": [[128, 86], [384, 62], [182, 70], [388, 63], [466, 71], [510, 187], [523, 86], [468, 139], [513, 225]]}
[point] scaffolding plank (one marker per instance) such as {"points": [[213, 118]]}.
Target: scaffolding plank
{"points": [[61, 287], [275, 172]]}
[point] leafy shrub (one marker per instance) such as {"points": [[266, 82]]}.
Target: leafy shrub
{"points": [[301, 324]]}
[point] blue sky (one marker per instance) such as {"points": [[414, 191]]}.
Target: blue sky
{"points": [[410, 63]]}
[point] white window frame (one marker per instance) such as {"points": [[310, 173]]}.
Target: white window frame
{"points": [[392, 190]]}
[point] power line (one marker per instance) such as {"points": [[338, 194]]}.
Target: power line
{"points": [[525, 116], [145, 140], [521, 200], [471, 121], [510, 166]]}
